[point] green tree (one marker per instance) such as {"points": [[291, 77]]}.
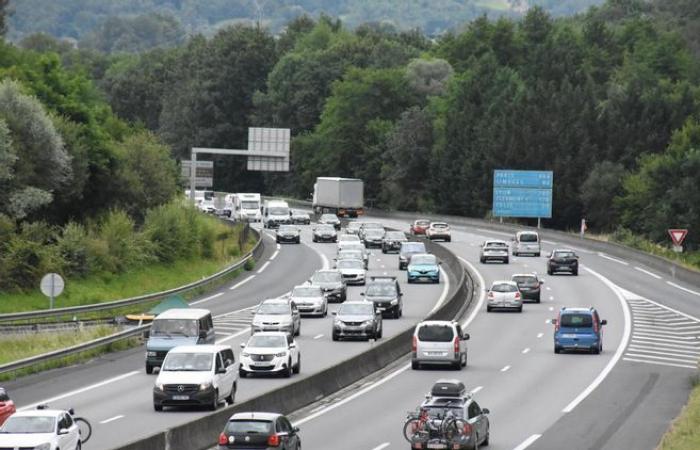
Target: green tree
{"points": [[598, 192], [3, 16], [135, 34]]}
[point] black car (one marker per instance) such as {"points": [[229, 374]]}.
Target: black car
{"points": [[407, 250], [288, 233], [562, 261], [324, 233], [392, 241], [259, 430], [331, 283], [529, 284], [385, 293], [357, 320]]}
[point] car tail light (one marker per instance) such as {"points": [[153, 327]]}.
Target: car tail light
{"points": [[596, 325], [467, 429], [273, 441], [457, 344], [491, 294], [414, 344], [558, 324], [223, 439], [517, 295]]}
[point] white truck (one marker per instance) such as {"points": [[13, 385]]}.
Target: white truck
{"points": [[276, 212], [341, 196], [246, 207]]}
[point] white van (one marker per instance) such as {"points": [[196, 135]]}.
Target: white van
{"points": [[439, 342], [276, 212], [246, 207], [526, 243]]}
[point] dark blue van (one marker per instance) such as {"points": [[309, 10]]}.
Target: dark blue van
{"points": [[578, 329]]}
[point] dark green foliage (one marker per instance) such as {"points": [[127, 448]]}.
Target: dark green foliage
{"points": [[135, 34]]}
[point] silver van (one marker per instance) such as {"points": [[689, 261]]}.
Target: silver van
{"points": [[439, 342], [526, 243]]}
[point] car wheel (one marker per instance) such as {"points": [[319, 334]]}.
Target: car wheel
{"points": [[79, 446], [297, 368], [549, 272], [595, 350], [520, 309], [488, 309], [482, 261], [298, 333], [149, 369], [157, 407], [557, 349], [575, 272], [449, 239], [538, 254], [299, 241], [505, 261], [242, 373], [335, 337], [539, 297], [215, 401], [415, 365], [409, 281], [383, 250], [325, 311], [287, 372], [232, 396], [464, 360], [485, 442], [378, 334], [457, 365]]}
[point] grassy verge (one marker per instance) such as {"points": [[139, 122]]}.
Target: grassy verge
{"points": [[684, 433]]}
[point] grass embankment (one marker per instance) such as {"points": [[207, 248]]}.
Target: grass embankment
{"points": [[684, 433]]}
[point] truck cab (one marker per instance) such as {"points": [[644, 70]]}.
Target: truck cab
{"points": [[246, 207]]}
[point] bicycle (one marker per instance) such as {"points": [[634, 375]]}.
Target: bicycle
{"points": [[83, 425]]}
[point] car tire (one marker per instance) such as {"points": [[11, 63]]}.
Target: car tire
{"points": [[506, 261], [298, 240], [485, 442], [464, 361], [549, 272], [415, 365], [378, 334], [242, 373], [538, 299], [515, 253], [297, 367], [575, 273], [215, 401], [157, 407], [488, 309], [335, 337], [482, 260], [449, 239], [232, 396], [538, 254], [457, 365], [520, 309], [384, 250], [149, 369], [596, 350], [557, 349]]}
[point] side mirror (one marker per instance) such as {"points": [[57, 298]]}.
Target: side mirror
{"points": [[553, 321], [63, 431], [334, 313], [242, 344], [221, 370], [202, 334], [485, 411], [541, 282], [465, 336], [71, 411], [146, 334], [603, 322], [292, 345], [440, 262], [362, 294], [296, 429]]}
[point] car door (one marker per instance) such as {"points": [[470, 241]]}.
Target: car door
{"points": [[231, 366], [296, 317], [64, 422], [293, 349], [7, 407], [462, 341], [290, 438], [476, 421]]}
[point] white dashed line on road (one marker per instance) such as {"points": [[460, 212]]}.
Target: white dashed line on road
{"points": [[505, 369], [318, 336], [683, 289], [526, 351], [528, 442], [274, 255], [647, 272], [239, 284], [551, 308], [610, 258], [476, 389], [264, 266], [539, 335], [111, 419], [211, 297], [381, 446]]}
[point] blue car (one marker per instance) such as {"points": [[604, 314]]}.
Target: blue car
{"points": [[578, 329], [423, 267]]}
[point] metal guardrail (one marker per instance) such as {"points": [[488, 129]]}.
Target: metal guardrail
{"points": [[57, 312]]}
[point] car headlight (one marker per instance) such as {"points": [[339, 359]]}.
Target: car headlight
{"points": [[367, 323], [160, 386], [149, 353], [204, 386], [281, 354], [245, 355], [395, 301], [337, 323], [46, 446]]}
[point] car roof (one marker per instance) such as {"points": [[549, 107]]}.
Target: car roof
{"points": [[39, 413], [563, 250], [356, 302], [421, 220], [520, 233], [438, 223], [495, 241], [437, 322], [567, 310], [271, 333], [276, 301], [255, 416], [523, 275], [513, 283], [423, 254], [306, 286], [327, 271], [206, 348], [183, 313]]}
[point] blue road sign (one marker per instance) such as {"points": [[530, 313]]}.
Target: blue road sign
{"points": [[522, 193]]}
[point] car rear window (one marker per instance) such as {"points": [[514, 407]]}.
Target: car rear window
{"points": [[504, 287], [422, 223], [496, 245], [439, 225], [525, 280], [577, 320], [564, 254], [528, 237], [435, 333], [249, 427], [413, 247]]}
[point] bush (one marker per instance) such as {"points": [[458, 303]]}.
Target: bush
{"points": [[117, 246], [28, 256], [73, 248], [172, 230]]}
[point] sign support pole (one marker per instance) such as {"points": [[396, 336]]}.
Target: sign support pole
{"points": [[193, 175], [539, 223], [53, 289]]}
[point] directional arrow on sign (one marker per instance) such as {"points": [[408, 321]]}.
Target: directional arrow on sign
{"points": [[677, 235]]}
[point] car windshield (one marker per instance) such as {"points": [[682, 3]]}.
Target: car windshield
{"points": [[504, 287], [395, 235], [278, 211], [354, 225], [528, 237], [422, 223], [29, 425], [326, 277], [188, 362], [576, 321], [3, 396], [329, 218], [355, 246], [352, 254], [357, 309], [350, 264], [249, 427], [325, 229], [267, 341], [381, 289], [306, 292], [496, 245], [287, 229], [525, 279], [174, 327], [348, 238], [435, 333], [412, 247], [564, 254], [424, 259], [439, 225], [274, 309], [249, 205]]}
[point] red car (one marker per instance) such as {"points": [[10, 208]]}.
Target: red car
{"points": [[7, 406], [419, 226]]}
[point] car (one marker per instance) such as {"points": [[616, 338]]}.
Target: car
{"points": [[352, 270], [348, 239], [357, 319], [196, 375], [407, 250], [353, 227], [526, 243], [369, 226], [278, 314], [324, 233], [423, 267], [529, 285], [288, 233], [373, 237], [439, 230], [578, 329], [439, 342], [300, 217], [392, 241], [359, 247], [7, 406], [270, 352], [449, 398], [386, 296], [419, 226], [309, 300], [259, 430], [494, 250], [562, 260], [40, 429], [504, 295], [330, 219], [332, 284]]}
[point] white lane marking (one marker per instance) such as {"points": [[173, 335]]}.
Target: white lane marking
{"points": [[264, 266], [528, 442], [550, 242], [651, 274], [482, 292], [679, 353], [505, 369], [660, 363], [548, 288], [619, 261], [81, 390], [539, 335], [237, 285], [381, 446], [359, 393], [620, 348], [271, 236], [279, 246], [385, 273], [274, 255], [445, 291], [551, 298], [211, 297], [318, 336], [476, 389], [221, 341], [526, 351], [383, 266], [112, 419], [683, 289], [551, 308], [547, 320]]}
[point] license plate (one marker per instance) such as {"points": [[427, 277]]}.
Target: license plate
{"points": [[181, 397], [569, 336], [431, 445], [436, 354]]}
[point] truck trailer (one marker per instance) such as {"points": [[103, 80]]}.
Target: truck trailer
{"points": [[341, 196]]}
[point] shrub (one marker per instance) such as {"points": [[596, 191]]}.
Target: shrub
{"points": [[73, 248]]}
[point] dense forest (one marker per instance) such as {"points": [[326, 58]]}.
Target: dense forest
{"points": [[608, 100]]}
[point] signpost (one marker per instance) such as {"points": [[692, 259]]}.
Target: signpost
{"points": [[522, 193], [678, 236], [204, 178], [52, 286]]}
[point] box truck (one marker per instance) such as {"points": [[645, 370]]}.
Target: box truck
{"points": [[341, 196]]}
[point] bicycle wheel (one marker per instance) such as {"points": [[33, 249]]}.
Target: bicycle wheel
{"points": [[85, 429], [410, 428], [453, 428]]}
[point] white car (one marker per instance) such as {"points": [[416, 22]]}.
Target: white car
{"points": [[41, 429], [270, 352], [358, 246], [504, 295], [277, 314], [347, 239], [439, 230], [310, 300], [494, 250], [352, 270]]}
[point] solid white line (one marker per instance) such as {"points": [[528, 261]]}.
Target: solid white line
{"points": [[539, 335], [683, 289], [525, 351], [620, 348], [279, 246], [671, 341], [247, 330], [318, 336], [661, 363], [381, 446], [445, 291], [505, 369], [207, 299], [678, 360], [271, 236], [81, 390], [619, 261], [476, 389], [264, 266], [647, 272], [274, 255], [634, 348], [237, 285], [482, 292], [527, 442], [112, 419]]}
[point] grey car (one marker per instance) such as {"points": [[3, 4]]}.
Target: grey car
{"points": [[392, 241], [324, 233], [277, 315], [353, 227], [358, 246], [494, 250], [301, 218], [332, 284], [407, 250], [386, 296], [330, 219], [357, 320], [439, 342], [310, 300], [373, 237]]}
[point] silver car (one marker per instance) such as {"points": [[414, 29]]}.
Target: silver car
{"points": [[504, 295], [439, 342], [494, 250], [310, 300], [358, 320], [352, 270], [526, 243], [278, 314], [357, 246]]}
